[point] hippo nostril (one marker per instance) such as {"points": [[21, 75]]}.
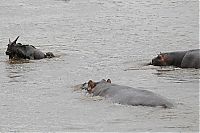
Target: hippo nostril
{"points": [[153, 61], [150, 63], [84, 87]]}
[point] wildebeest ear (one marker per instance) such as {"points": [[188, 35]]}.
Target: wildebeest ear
{"points": [[15, 40], [109, 81]]}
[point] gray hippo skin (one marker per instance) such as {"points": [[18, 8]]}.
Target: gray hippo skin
{"points": [[19, 51], [126, 95], [191, 59], [182, 59]]}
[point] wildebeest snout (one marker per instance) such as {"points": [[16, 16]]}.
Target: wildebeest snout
{"points": [[8, 52]]}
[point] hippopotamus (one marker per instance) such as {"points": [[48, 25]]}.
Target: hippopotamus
{"points": [[182, 59], [125, 95], [18, 51]]}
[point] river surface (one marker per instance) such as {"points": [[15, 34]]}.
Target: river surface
{"points": [[96, 39]]}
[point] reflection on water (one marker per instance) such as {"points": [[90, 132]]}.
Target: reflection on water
{"points": [[64, 0], [178, 75], [18, 61], [17, 69]]}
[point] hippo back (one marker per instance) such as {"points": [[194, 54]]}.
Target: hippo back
{"points": [[106, 89], [130, 96], [191, 59]]}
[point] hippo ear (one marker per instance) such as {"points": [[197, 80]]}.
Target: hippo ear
{"points": [[91, 84], [109, 81], [159, 56], [15, 40], [162, 57]]}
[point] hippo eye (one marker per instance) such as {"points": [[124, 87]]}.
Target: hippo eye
{"points": [[159, 57]]}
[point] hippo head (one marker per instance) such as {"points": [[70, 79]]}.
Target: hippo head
{"points": [[92, 84], [11, 49], [160, 60]]}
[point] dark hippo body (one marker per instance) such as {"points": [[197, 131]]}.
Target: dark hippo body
{"points": [[127, 95], [182, 59], [191, 59], [19, 51]]}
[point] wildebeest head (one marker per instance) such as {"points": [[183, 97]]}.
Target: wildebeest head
{"points": [[92, 84], [11, 50], [160, 60]]}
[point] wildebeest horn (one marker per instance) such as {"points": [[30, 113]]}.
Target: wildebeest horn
{"points": [[9, 41], [15, 40]]}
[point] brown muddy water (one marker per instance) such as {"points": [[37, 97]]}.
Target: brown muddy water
{"points": [[95, 39]]}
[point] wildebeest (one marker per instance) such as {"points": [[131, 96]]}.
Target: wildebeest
{"points": [[125, 95], [182, 59], [18, 51]]}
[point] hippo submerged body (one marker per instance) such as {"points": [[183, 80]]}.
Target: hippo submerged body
{"points": [[126, 95], [182, 59], [19, 51]]}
